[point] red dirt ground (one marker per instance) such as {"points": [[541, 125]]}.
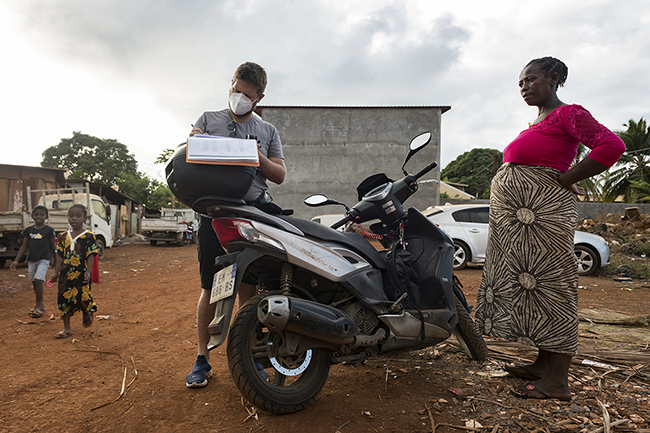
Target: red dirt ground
{"points": [[146, 324]]}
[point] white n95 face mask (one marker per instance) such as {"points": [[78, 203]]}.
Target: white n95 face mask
{"points": [[240, 104]]}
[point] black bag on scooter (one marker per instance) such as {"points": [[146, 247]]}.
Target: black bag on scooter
{"points": [[402, 277]]}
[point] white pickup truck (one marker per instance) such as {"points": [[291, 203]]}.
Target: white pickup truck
{"points": [[170, 227], [57, 201]]}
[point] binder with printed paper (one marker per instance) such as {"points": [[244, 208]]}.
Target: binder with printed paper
{"points": [[210, 149]]}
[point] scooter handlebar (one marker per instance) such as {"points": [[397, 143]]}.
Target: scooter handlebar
{"points": [[425, 170], [340, 223]]}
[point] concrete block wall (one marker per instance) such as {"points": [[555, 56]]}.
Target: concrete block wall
{"points": [[330, 150]]}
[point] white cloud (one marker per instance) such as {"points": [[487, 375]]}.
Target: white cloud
{"points": [[141, 71]]}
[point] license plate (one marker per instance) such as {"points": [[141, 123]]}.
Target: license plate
{"points": [[223, 284]]}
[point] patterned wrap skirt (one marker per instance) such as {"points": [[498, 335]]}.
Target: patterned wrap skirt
{"points": [[529, 290]]}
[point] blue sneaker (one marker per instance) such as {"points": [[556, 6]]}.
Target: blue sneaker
{"points": [[200, 373], [261, 370]]}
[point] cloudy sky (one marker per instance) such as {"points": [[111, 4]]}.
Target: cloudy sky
{"points": [[141, 71]]}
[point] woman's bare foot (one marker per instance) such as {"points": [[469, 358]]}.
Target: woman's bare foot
{"points": [[528, 372]]}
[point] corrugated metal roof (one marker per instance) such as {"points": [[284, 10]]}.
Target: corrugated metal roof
{"points": [[34, 166]]}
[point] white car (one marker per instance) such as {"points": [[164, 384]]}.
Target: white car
{"points": [[468, 226]]}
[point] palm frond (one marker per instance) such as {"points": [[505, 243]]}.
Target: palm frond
{"points": [[633, 166]]}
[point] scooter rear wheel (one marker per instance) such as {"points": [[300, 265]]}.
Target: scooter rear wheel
{"points": [[299, 379], [470, 341]]}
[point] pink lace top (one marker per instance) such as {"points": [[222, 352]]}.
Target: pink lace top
{"points": [[553, 142]]}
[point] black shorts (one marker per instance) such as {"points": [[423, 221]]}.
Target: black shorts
{"points": [[209, 249]]}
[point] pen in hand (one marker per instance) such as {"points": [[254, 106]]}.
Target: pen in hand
{"points": [[195, 130]]}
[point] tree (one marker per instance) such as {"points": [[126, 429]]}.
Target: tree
{"points": [[634, 165], [476, 169], [150, 192], [91, 158], [161, 197], [164, 156], [163, 193], [640, 191], [138, 186]]}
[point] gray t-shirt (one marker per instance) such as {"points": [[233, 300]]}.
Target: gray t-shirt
{"points": [[215, 123]]}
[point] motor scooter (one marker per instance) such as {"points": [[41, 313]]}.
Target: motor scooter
{"points": [[326, 296]]}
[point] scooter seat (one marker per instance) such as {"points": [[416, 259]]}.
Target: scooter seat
{"points": [[354, 241]]}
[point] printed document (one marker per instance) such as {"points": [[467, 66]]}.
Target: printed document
{"points": [[210, 149]]}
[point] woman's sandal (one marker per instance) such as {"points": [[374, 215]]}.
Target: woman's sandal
{"points": [[62, 334], [529, 391], [522, 372]]}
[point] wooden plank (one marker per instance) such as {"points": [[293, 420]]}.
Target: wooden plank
{"points": [[4, 195]]}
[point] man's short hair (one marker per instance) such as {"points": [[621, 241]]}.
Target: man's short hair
{"points": [[252, 73]]}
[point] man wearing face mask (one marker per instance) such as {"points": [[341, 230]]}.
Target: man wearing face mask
{"points": [[238, 120]]}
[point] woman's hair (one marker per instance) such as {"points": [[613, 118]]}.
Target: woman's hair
{"points": [[80, 206], [551, 65], [41, 208]]}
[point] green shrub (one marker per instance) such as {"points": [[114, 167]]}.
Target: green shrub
{"points": [[641, 247], [637, 268]]}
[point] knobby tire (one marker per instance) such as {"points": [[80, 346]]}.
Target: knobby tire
{"points": [[471, 341]]}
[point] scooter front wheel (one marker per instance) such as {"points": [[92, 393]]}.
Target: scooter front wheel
{"points": [[274, 383]]}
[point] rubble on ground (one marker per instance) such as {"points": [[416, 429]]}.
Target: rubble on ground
{"points": [[609, 381], [628, 237], [131, 239]]}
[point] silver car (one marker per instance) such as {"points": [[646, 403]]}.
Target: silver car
{"points": [[468, 226]]}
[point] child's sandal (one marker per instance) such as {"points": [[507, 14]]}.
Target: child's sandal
{"points": [[34, 313], [88, 319]]}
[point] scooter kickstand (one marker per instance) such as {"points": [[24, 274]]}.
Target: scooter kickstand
{"points": [[397, 305]]}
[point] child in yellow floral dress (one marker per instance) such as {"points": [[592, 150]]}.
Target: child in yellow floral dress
{"points": [[75, 253]]}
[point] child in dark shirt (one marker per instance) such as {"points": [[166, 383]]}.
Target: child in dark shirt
{"points": [[39, 238]]}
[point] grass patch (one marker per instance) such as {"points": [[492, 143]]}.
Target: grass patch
{"points": [[640, 247]]}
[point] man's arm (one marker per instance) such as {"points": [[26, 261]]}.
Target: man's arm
{"points": [[273, 169]]}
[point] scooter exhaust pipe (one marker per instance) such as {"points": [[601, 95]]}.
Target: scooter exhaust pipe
{"points": [[281, 313]]}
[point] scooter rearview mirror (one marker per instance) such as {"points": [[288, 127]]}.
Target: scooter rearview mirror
{"points": [[317, 200], [418, 142], [321, 200]]}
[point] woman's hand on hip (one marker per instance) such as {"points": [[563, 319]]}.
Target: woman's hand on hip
{"points": [[577, 189], [574, 187]]}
